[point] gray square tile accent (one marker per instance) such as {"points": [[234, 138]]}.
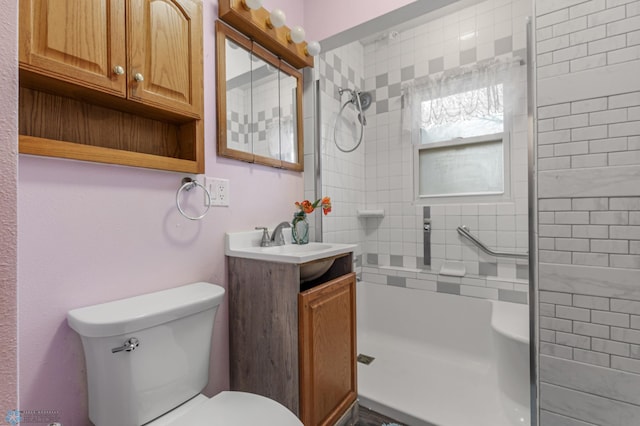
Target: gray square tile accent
{"points": [[512, 296], [358, 261], [337, 63], [382, 106], [396, 281], [407, 73], [396, 260], [488, 269], [351, 74], [382, 80], [372, 258], [468, 56], [344, 82], [436, 65], [448, 288], [395, 90], [522, 272], [503, 45], [329, 74]]}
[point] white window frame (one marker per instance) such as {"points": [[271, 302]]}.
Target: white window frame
{"points": [[466, 198]]}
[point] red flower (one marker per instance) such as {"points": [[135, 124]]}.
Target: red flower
{"points": [[308, 207]]}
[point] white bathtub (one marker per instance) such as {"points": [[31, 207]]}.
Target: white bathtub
{"points": [[441, 359]]}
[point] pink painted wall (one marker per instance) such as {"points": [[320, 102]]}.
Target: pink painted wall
{"points": [[8, 204], [294, 10], [90, 233], [329, 17]]}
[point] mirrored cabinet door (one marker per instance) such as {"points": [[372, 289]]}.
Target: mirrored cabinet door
{"points": [[266, 107], [238, 97], [290, 110], [259, 103]]}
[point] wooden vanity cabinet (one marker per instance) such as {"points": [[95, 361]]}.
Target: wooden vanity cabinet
{"points": [[115, 81], [292, 342]]}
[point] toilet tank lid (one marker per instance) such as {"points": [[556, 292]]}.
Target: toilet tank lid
{"points": [[144, 311]]}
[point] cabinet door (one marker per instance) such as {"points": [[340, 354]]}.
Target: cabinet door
{"points": [[79, 41], [165, 54], [327, 327]]}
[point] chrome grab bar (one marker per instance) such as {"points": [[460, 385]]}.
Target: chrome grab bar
{"points": [[464, 231]]}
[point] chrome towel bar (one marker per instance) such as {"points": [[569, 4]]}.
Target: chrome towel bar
{"points": [[464, 231]]}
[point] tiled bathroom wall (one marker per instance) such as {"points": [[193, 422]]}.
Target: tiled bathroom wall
{"points": [[392, 246], [343, 174], [588, 63]]}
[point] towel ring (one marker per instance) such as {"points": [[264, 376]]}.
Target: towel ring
{"points": [[188, 184]]}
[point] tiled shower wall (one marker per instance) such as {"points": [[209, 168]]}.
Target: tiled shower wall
{"points": [[588, 107], [382, 167], [343, 177]]}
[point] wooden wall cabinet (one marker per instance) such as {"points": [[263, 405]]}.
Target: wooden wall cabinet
{"points": [[293, 342], [113, 81]]}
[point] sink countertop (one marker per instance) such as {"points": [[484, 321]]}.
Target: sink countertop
{"points": [[247, 245]]}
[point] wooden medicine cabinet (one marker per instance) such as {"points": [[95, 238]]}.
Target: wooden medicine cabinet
{"points": [[117, 81], [259, 103]]}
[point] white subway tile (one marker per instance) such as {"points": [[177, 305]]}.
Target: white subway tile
{"points": [[622, 261], [590, 259], [589, 329], [554, 137], [573, 218], [555, 204], [555, 350], [571, 148], [572, 340], [607, 44], [571, 26], [552, 18], [572, 244], [555, 163], [610, 318], [623, 26], [555, 298], [610, 246], [559, 110], [623, 55], [625, 335], [610, 347], [587, 35], [554, 70], [587, 161], [555, 257], [590, 231], [624, 100], [571, 121], [589, 105], [601, 203], [588, 62], [589, 357], [552, 44], [625, 364], [608, 145], [589, 133], [571, 313], [593, 302], [586, 8], [606, 16]]}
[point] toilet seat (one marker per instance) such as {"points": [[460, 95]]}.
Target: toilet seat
{"points": [[229, 409]]}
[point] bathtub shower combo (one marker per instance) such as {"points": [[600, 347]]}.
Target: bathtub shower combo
{"points": [[436, 194]]}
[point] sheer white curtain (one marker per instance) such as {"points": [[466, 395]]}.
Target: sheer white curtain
{"points": [[464, 103]]}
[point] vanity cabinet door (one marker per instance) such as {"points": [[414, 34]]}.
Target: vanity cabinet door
{"points": [[327, 339], [77, 41], [165, 49]]}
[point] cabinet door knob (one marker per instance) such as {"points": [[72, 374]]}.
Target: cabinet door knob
{"points": [[118, 70], [138, 77]]}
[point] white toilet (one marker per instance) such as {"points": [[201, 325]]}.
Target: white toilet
{"points": [[148, 360]]}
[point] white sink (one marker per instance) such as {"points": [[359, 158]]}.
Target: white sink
{"points": [[247, 245]]}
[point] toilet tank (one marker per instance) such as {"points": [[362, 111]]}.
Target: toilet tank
{"points": [[170, 364]]}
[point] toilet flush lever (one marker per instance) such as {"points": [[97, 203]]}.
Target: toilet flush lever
{"points": [[129, 345]]}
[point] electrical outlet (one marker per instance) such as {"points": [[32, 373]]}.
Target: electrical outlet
{"points": [[219, 190]]}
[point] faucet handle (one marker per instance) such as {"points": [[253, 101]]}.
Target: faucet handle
{"points": [[266, 239]]}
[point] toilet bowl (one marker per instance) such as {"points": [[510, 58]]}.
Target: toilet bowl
{"points": [[229, 408], [148, 360]]}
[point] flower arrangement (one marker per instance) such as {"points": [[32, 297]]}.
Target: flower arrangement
{"points": [[308, 207], [299, 224]]}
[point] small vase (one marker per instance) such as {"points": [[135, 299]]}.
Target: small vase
{"points": [[300, 228]]}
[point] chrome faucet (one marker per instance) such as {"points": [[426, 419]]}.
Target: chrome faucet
{"points": [[277, 239], [266, 240]]}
